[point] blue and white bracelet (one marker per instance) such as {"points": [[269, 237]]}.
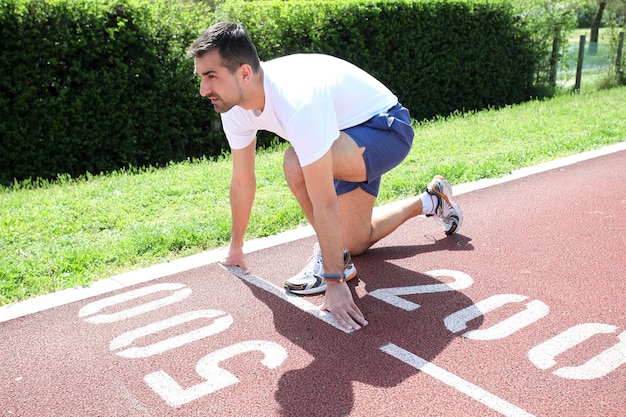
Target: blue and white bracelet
{"points": [[334, 277]]}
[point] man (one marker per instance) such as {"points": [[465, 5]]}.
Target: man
{"points": [[346, 130]]}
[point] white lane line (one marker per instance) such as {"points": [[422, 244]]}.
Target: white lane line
{"points": [[473, 391], [292, 299], [538, 169]]}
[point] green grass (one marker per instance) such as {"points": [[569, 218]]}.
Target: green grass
{"points": [[68, 233], [604, 35]]}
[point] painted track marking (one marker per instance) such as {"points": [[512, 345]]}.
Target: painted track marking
{"points": [[294, 300], [473, 391]]}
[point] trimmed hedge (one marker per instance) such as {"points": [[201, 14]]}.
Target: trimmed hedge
{"points": [[437, 56], [97, 85]]}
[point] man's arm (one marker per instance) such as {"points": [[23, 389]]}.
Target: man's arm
{"points": [[319, 181], [242, 191]]}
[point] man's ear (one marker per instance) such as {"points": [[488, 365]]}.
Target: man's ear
{"points": [[246, 72]]}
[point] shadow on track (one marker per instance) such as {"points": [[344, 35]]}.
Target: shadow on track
{"points": [[326, 386]]}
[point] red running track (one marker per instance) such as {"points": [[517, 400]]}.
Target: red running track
{"points": [[520, 314]]}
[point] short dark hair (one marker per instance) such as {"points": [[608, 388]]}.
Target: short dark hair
{"points": [[233, 43]]}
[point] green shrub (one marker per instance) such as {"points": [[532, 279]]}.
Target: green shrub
{"points": [[97, 85], [437, 56], [91, 86]]}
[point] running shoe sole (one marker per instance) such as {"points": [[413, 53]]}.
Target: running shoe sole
{"points": [[455, 219]]}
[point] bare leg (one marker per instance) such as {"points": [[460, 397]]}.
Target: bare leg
{"points": [[362, 224]]}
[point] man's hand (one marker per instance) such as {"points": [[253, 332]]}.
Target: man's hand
{"points": [[235, 257], [338, 301]]}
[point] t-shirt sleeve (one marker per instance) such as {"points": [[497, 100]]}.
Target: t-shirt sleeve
{"points": [[238, 133], [313, 129]]}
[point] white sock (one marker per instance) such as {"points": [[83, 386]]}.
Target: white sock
{"points": [[429, 203]]}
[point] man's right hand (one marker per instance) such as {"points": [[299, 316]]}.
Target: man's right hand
{"points": [[338, 300]]}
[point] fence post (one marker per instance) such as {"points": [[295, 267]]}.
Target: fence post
{"points": [[554, 58], [618, 61], [579, 65]]}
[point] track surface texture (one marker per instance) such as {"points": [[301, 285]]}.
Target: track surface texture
{"points": [[521, 313]]}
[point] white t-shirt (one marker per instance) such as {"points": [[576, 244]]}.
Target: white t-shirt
{"points": [[309, 98]]}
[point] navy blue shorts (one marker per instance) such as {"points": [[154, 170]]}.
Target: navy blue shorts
{"points": [[387, 139]]}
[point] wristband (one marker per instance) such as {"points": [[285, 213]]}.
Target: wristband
{"points": [[334, 277]]}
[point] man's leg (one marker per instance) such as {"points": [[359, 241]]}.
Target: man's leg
{"points": [[362, 224], [348, 165]]}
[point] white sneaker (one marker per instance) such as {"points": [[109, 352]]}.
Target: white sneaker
{"points": [[447, 213], [310, 281]]}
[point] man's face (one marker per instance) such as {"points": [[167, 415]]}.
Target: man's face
{"points": [[217, 83]]}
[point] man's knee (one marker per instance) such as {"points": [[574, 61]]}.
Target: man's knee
{"points": [[357, 248], [292, 168]]}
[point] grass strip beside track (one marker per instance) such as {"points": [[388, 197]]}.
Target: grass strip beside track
{"points": [[68, 233]]}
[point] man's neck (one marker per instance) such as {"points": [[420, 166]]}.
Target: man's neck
{"points": [[255, 96]]}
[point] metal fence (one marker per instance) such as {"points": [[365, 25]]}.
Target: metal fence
{"points": [[586, 63]]}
